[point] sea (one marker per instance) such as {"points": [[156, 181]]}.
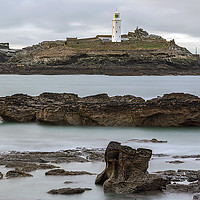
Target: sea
{"points": [[36, 137]]}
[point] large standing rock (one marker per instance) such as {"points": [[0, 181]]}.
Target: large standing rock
{"points": [[126, 171]]}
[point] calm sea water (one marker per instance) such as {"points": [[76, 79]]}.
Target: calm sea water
{"points": [[143, 86], [34, 137]]}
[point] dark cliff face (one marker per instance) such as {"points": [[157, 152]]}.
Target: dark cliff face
{"points": [[176, 109]]}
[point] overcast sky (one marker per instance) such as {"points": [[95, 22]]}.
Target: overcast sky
{"points": [[27, 22]]}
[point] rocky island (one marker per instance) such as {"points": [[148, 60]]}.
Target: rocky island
{"points": [[140, 53], [171, 110]]}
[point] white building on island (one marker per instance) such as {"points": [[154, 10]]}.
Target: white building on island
{"points": [[116, 31], [116, 27]]}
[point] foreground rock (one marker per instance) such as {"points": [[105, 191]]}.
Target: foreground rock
{"points": [[171, 110], [126, 171], [17, 173], [68, 191], [62, 172]]}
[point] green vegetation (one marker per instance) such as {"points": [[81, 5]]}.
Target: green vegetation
{"points": [[125, 45]]}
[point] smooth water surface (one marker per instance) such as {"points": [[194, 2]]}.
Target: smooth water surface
{"points": [[143, 86]]}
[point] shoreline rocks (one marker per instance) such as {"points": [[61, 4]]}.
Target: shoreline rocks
{"points": [[68, 191], [28, 167], [154, 140], [1, 175], [17, 173], [62, 172], [40, 160], [126, 171], [171, 110]]}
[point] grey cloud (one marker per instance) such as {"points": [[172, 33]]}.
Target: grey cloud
{"points": [[25, 22]]}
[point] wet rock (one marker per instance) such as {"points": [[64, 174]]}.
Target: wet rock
{"points": [[94, 154], [47, 166], [62, 172], [68, 191], [154, 140], [189, 188], [28, 167], [180, 175], [25, 167], [68, 182], [175, 162], [28, 161], [17, 173], [168, 111], [1, 175], [187, 156], [160, 155], [126, 171], [196, 196], [176, 109]]}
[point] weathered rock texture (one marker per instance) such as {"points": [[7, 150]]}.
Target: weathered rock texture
{"points": [[62, 172], [17, 173], [68, 191], [182, 180], [1, 175], [30, 161], [176, 109], [28, 166], [126, 171]]}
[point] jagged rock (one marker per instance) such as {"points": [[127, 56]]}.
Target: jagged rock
{"points": [[17, 173], [171, 110], [67, 191], [126, 171], [62, 172], [176, 109]]}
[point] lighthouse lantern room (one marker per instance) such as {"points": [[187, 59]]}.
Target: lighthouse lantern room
{"points": [[116, 28]]}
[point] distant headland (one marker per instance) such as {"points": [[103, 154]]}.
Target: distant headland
{"points": [[137, 53]]}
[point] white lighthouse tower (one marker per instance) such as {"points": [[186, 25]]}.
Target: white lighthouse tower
{"points": [[116, 28]]}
